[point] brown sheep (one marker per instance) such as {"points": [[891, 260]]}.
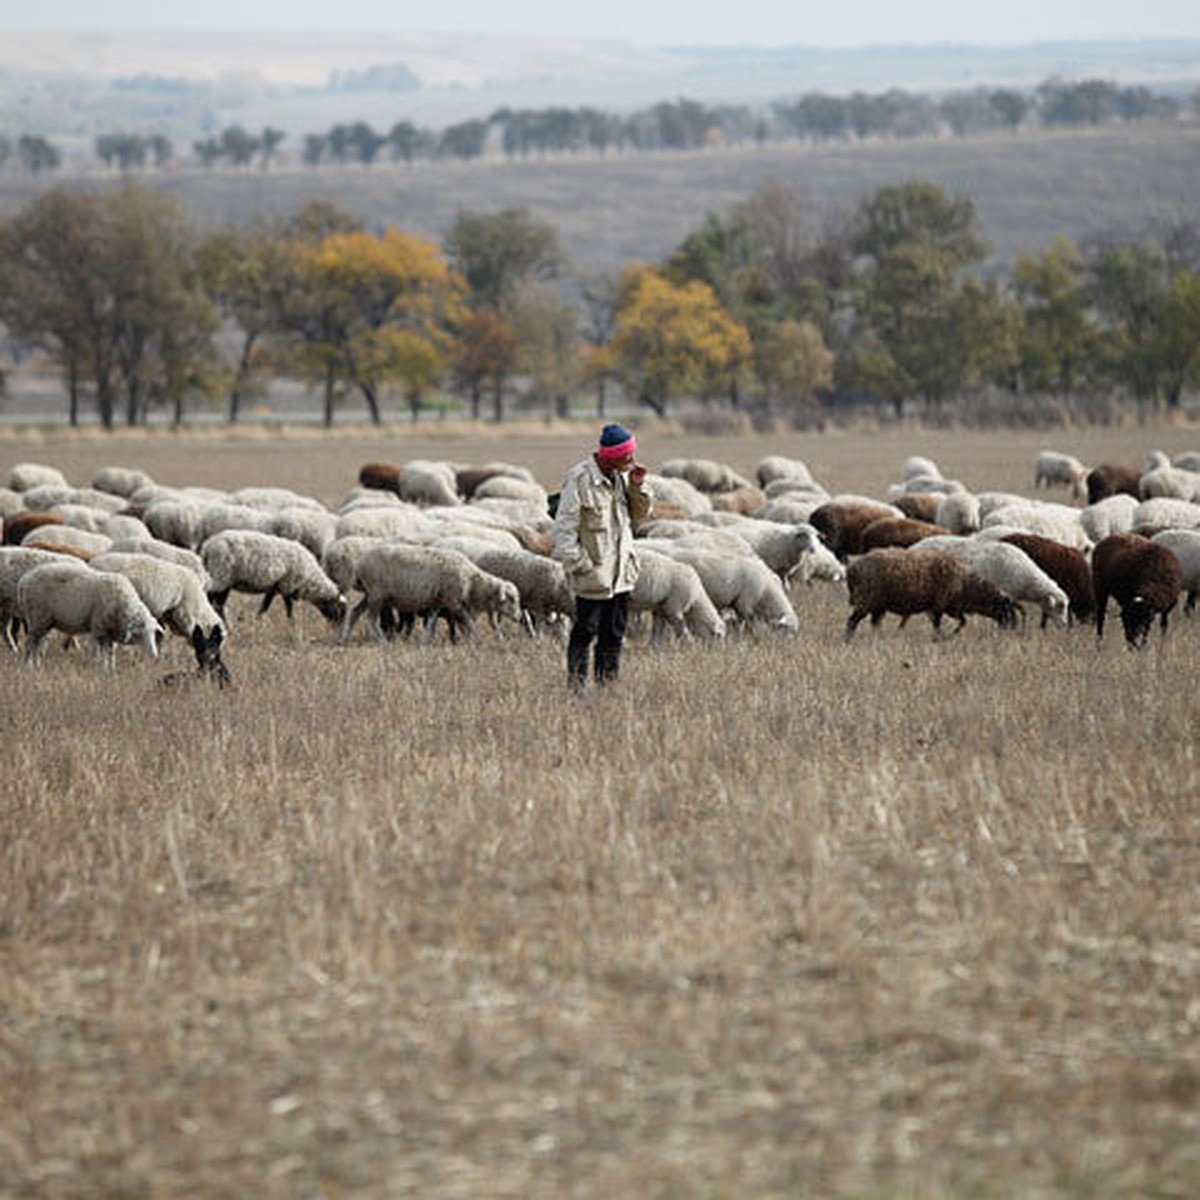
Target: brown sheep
{"points": [[467, 479], [914, 581], [1144, 577], [841, 523], [898, 531], [744, 500], [1109, 479], [381, 475], [921, 506], [1066, 566], [19, 524]]}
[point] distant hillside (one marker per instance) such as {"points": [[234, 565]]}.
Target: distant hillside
{"points": [[77, 84], [1029, 188]]}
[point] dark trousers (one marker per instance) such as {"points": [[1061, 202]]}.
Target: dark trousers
{"points": [[602, 622]]}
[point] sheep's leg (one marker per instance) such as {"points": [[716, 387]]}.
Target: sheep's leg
{"points": [[852, 622], [268, 596], [35, 645], [10, 627], [351, 619], [1101, 606], [289, 606], [217, 600]]}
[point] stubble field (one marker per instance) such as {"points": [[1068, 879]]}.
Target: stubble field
{"points": [[778, 918]]}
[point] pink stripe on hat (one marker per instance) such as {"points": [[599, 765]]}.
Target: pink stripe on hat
{"points": [[620, 450]]}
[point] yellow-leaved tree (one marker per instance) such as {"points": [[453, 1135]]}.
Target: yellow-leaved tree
{"points": [[673, 340], [368, 310]]}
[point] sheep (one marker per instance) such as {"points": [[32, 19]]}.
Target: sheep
{"points": [[1143, 576], [792, 508], [745, 501], [468, 478], [1052, 467], [704, 474], [508, 487], [388, 521], [840, 522], [1164, 512], [1009, 569], [81, 516], [1066, 565], [740, 584], [313, 528], [216, 518], [1110, 478], [1113, 514], [49, 496], [76, 600], [927, 483], [164, 550], [176, 597], [10, 502], [917, 465], [1056, 521], [121, 481], [775, 467], [24, 476], [426, 580], [673, 592], [274, 499], [245, 560], [958, 512], [1185, 545], [176, 521], [898, 531], [905, 582], [18, 526], [67, 535], [988, 502], [677, 492], [545, 593], [1162, 479], [424, 481], [781, 547], [382, 476], [1189, 460], [783, 487], [361, 497], [15, 561]]}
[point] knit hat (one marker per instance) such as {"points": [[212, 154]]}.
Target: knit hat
{"points": [[616, 442]]}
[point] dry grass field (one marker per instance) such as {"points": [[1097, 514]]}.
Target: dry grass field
{"points": [[780, 918]]}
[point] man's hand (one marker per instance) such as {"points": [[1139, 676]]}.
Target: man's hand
{"points": [[637, 474]]}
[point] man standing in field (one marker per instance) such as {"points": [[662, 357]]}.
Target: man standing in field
{"points": [[600, 499]]}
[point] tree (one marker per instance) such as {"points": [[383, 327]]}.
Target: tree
{"points": [[547, 331], [672, 340], [919, 212], [496, 252], [1057, 342], [37, 154], [484, 352], [796, 366]]}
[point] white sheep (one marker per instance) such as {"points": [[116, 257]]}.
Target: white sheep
{"points": [[244, 560], [425, 481], [678, 493], [46, 496], [68, 535], [16, 561], [273, 499], [77, 600], [672, 592], [1113, 514], [786, 486], [1008, 568], [10, 502], [1059, 522], [384, 521], [958, 512], [121, 481], [1052, 467], [775, 467], [740, 584], [1165, 512], [178, 555], [704, 474], [218, 517], [1163, 479], [175, 520], [24, 476], [791, 508], [1186, 545], [917, 466], [509, 487], [426, 581], [313, 527]]}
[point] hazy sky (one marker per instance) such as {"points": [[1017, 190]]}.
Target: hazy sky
{"points": [[760, 22]]}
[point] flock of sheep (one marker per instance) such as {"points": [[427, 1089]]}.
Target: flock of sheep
{"points": [[127, 560]]}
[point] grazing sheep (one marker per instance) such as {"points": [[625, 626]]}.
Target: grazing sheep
{"points": [[672, 592], [381, 476], [509, 487], [1068, 567], [176, 598], [542, 582], [1051, 468], [175, 520], [1143, 576], [24, 476], [313, 528], [1009, 569], [900, 532], [1109, 478], [988, 502], [782, 547], [791, 508], [1162, 479], [958, 512], [841, 521], [905, 582], [164, 550], [121, 481], [740, 584], [425, 482], [223, 515], [468, 478], [775, 467], [10, 502], [15, 561], [745, 501], [244, 560], [678, 493], [1164, 512], [921, 506], [67, 535], [1113, 514], [917, 465], [50, 496], [1056, 521], [274, 499], [386, 521], [704, 474], [76, 600], [19, 525], [1185, 545], [425, 581], [926, 483]]}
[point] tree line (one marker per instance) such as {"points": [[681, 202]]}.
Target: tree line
{"points": [[755, 310], [681, 124]]}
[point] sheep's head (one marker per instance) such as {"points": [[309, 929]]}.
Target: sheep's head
{"points": [[334, 611], [1137, 617], [508, 600]]}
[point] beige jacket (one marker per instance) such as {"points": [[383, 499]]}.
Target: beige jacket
{"points": [[593, 530]]}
